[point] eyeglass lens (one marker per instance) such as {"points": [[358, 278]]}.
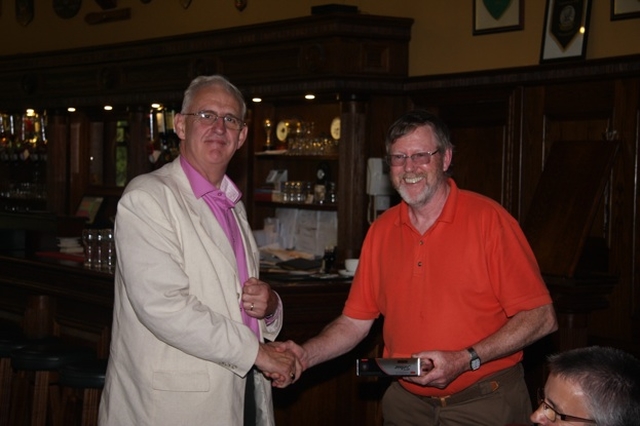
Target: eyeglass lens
{"points": [[210, 117], [551, 414], [420, 158]]}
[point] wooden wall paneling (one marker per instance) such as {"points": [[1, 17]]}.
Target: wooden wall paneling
{"points": [[479, 159], [579, 112], [383, 111], [532, 155], [483, 130], [57, 162], [352, 200], [78, 162], [138, 155], [513, 164], [622, 319], [565, 203], [587, 110]]}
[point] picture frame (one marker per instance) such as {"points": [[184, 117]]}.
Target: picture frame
{"points": [[89, 207], [496, 16], [566, 30], [625, 9]]}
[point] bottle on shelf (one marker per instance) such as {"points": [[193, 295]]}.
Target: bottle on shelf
{"points": [[122, 140], [42, 142], [173, 141], [5, 137], [154, 149], [329, 259], [268, 127], [320, 188]]}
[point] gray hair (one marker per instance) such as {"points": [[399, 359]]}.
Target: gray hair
{"points": [[203, 81], [609, 378], [411, 120]]}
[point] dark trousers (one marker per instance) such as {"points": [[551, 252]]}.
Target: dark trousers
{"points": [[250, 400], [499, 399]]}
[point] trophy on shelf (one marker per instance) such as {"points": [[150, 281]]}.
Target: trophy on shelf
{"points": [[268, 126]]}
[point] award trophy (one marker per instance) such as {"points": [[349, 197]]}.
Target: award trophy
{"points": [[268, 125]]}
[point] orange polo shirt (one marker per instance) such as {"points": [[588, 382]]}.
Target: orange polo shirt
{"points": [[450, 287]]}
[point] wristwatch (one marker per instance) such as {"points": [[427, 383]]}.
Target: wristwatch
{"points": [[475, 359]]}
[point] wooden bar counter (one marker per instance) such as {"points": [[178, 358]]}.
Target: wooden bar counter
{"points": [[49, 296]]}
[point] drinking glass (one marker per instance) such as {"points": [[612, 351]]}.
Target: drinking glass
{"points": [[107, 250], [89, 241]]}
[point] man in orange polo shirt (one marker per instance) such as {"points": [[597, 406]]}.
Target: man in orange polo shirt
{"points": [[458, 286]]}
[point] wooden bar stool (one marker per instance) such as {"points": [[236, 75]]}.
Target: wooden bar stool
{"points": [[39, 364], [85, 376], [11, 338]]}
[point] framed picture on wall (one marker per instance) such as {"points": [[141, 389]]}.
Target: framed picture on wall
{"points": [[494, 16], [625, 9], [566, 29]]}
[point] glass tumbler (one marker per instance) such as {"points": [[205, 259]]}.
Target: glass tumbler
{"points": [[107, 250], [89, 241]]}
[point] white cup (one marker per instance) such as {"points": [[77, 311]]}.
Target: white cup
{"points": [[351, 265]]}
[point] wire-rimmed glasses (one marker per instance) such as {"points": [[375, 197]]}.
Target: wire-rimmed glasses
{"points": [[419, 158], [551, 413], [210, 117]]}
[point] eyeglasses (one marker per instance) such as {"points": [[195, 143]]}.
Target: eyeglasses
{"points": [[210, 117], [551, 414], [419, 158]]}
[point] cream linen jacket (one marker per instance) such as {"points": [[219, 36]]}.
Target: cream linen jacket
{"points": [[179, 350]]}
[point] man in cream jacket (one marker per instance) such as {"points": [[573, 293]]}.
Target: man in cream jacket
{"points": [[190, 316]]}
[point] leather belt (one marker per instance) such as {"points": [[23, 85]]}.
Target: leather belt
{"points": [[483, 387]]}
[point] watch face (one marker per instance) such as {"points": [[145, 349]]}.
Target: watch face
{"points": [[475, 364]]}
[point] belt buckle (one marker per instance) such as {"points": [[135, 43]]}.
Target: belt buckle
{"points": [[442, 399]]}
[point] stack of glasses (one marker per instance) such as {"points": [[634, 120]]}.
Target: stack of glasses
{"points": [[99, 249]]}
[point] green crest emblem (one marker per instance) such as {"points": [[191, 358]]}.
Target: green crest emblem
{"points": [[496, 8]]}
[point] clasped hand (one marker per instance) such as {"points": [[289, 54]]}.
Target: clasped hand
{"points": [[278, 364]]}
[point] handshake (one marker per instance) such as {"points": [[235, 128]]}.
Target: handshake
{"points": [[281, 362]]}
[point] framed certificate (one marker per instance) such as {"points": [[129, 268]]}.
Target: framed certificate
{"points": [[89, 207]]}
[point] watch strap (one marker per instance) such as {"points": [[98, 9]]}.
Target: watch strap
{"points": [[475, 362]]}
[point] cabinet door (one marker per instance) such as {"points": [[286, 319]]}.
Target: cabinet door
{"points": [[96, 153]]}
